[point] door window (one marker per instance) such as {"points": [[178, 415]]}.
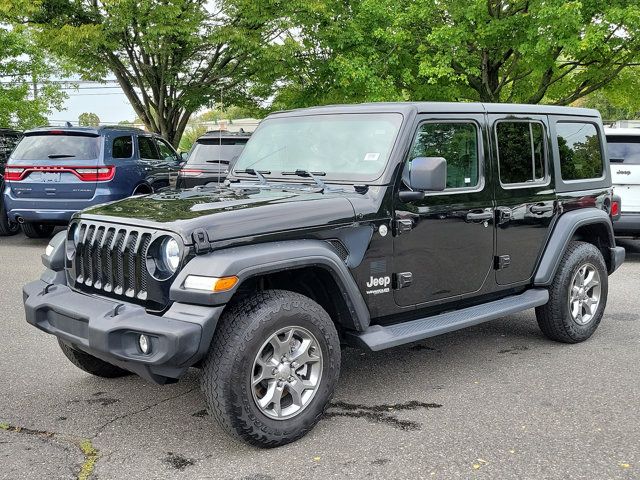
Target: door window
{"points": [[122, 147], [147, 148], [580, 151], [166, 152], [457, 143], [521, 152]]}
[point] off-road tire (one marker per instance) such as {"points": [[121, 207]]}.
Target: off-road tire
{"points": [[37, 230], [7, 228], [554, 318], [227, 370], [91, 364]]}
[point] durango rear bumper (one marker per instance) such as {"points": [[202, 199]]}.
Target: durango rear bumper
{"points": [[110, 330]]}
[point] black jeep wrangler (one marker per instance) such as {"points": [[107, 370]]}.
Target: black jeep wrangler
{"points": [[368, 225]]}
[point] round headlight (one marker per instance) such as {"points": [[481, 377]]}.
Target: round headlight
{"points": [[170, 252]]}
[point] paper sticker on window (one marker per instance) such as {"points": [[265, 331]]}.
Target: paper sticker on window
{"points": [[371, 157], [467, 180]]}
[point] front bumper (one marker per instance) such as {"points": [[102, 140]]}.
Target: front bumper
{"points": [[109, 330], [627, 224]]}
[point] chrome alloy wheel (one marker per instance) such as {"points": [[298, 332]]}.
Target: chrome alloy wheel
{"points": [[286, 373], [584, 295]]}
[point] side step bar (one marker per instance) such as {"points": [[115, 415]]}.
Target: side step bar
{"points": [[378, 337]]}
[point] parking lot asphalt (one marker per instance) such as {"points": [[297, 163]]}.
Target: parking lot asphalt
{"points": [[493, 401]]}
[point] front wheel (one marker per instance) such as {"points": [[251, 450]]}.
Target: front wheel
{"points": [[577, 296], [272, 368], [37, 230]]}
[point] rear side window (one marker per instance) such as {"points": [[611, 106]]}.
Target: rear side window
{"points": [[147, 148], [580, 152], [122, 147], [624, 148], [521, 152], [457, 143], [57, 146]]}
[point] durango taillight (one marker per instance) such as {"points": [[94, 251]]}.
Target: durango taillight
{"points": [[13, 173], [190, 172], [86, 174]]}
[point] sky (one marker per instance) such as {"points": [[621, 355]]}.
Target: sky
{"points": [[107, 101]]}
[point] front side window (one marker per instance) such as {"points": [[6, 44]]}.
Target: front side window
{"points": [[349, 147], [166, 152], [580, 152], [521, 152], [457, 143], [147, 148], [122, 147]]}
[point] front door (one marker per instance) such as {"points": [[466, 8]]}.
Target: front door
{"points": [[525, 194], [444, 243], [153, 166]]}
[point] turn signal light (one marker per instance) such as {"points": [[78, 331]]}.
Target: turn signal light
{"points": [[210, 284]]}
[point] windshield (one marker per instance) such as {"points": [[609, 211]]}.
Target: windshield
{"points": [[213, 152], [626, 148], [52, 147], [350, 147]]}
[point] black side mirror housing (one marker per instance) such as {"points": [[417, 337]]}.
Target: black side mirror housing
{"points": [[424, 174]]}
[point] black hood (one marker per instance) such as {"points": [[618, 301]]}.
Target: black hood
{"points": [[227, 212]]}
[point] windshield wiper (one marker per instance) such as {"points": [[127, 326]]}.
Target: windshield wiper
{"points": [[313, 175], [257, 173], [60, 155]]}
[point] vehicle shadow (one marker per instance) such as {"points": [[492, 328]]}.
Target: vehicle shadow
{"points": [[632, 248]]}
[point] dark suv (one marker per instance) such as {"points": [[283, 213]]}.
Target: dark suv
{"points": [[368, 225], [211, 157], [8, 140], [54, 172]]}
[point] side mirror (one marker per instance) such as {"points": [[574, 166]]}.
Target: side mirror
{"points": [[424, 174], [182, 156]]}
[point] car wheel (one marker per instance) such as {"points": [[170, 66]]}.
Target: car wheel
{"points": [[37, 230], [272, 368], [91, 364], [7, 227], [577, 296]]}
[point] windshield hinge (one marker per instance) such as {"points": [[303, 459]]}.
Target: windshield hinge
{"points": [[201, 241]]}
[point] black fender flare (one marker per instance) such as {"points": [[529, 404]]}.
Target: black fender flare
{"points": [[253, 260], [564, 229]]}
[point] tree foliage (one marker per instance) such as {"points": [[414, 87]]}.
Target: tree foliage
{"points": [[26, 95], [171, 57], [529, 51], [88, 119]]}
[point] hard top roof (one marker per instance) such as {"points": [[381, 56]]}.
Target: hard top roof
{"points": [[442, 107], [622, 131]]}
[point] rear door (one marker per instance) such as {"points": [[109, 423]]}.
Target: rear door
{"points": [[525, 194], [624, 154], [56, 164]]}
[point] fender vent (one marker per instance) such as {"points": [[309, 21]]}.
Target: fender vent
{"points": [[339, 248]]}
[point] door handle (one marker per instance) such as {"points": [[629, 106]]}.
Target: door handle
{"points": [[480, 216], [541, 208]]}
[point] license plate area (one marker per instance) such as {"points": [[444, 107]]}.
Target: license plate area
{"points": [[50, 177]]}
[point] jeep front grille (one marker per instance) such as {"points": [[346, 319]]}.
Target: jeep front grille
{"points": [[111, 260]]}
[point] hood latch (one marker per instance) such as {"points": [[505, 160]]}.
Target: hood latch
{"points": [[201, 241]]}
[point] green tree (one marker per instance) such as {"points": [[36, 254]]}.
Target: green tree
{"points": [[618, 100], [170, 57], [26, 95], [88, 119], [530, 51]]}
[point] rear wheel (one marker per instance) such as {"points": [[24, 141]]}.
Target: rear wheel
{"points": [[7, 227], [37, 230], [272, 368], [577, 296], [91, 364]]}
